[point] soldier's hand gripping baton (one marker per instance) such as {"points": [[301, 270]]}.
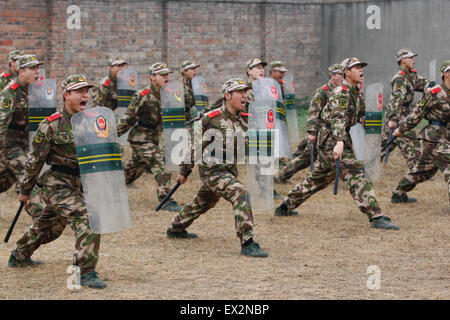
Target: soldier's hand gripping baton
{"points": [[195, 119], [311, 157], [336, 178], [11, 228], [388, 143], [386, 156], [171, 192]]}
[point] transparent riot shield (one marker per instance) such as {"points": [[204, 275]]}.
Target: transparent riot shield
{"points": [[176, 136], [267, 89], [127, 84], [373, 125], [101, 169], [291, 109], [358, 141], [201, 99]]}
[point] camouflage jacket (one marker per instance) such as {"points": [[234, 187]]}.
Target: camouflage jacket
{"points": [[189, 101], [105, 94], [144, 116], [14, 115], [223, 122], [434, 106], [53, 144], [404, 84], [5, 79], [344, 109], [318, 102]]}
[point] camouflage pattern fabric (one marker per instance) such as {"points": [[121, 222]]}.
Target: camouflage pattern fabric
{"points": [[301, 158], [189, 101], [14, 140], [434, 106], [404, 84], [61, 192], [219, 179], [105, 94], [6, 78], [144, 116], [344, 109]]}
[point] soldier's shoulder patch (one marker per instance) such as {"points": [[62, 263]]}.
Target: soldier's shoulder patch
{"points": [[435, 89], [421, 102], [6, 74], [107, 82], [145, 92], [325, 88], [213, 114], [342, 100], [53, 117], [14, 86], [6, 104], [39, 137]]}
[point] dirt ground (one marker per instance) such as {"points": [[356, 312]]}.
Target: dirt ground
{"points": [[324, 253]]}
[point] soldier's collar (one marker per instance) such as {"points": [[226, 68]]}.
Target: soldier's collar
{"points": [[66, 114], [155, 92], [22, 86], [110, 77], [227, 113], [331, 85], [408, 72]]}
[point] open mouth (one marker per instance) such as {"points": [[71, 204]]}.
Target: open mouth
{"points": [[83, 103]]}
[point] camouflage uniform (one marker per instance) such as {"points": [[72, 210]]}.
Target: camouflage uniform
{"points": [[219, 179], [14, 128], [301, 158], [189, 101], [435, 107], [61, 190], [7, 77], [144, 116], [404, 84]]}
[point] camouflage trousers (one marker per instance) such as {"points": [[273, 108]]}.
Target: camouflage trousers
{"points": [[408, 144], [217, 185], [434, 156], [148, 155], [351, 172], [300, 161], [12, 165], [62, 203]]}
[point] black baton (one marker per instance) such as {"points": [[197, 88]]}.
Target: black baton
{"points": [[311, 157], [388, 143], [11, 228], [163, 202], [386, 156], [195, 119], [336, 178]]}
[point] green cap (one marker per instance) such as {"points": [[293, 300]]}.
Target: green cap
{"points": [[351, 62], [335, 68], [188, 64], [12, 56], [445, 67], [405, 53], [27, 61], [159, 68], [117, 61], [234, 84], [254, 62], [75, 82], [278, 66]]}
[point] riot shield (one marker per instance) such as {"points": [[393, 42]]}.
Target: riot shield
{"points": [[261, 133], [267, 89], [176, 136], [358, 141], [42, 103], [201, 99], [373, 124], [291, 109], [101, 169], [127, 84]]}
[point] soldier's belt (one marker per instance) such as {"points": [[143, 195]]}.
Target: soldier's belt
{"points": [[16, 127], [173, 118], [66, 170], [147, 125], [437, 123], [347, 129]]}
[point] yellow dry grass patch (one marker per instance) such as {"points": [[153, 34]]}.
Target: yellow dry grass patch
{"points": [[321, 254]]}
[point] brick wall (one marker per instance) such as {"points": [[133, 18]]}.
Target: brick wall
{"points": [[219, 35]]}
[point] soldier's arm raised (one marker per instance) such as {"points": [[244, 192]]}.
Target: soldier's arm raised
{"points": [[417, 114], [130, 117], [37, 158]]}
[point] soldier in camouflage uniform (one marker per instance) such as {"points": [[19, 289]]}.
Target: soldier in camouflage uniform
{"points": [[344, 109], [7, 77], [105, 94], [434, 107], [404, 83], [61, 188], [255, 71], [14, 144], [144, 116], [301, 158], [220, 179], [188, 72]]}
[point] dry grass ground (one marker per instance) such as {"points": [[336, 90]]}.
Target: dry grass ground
{"points": [[323, 253]]}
